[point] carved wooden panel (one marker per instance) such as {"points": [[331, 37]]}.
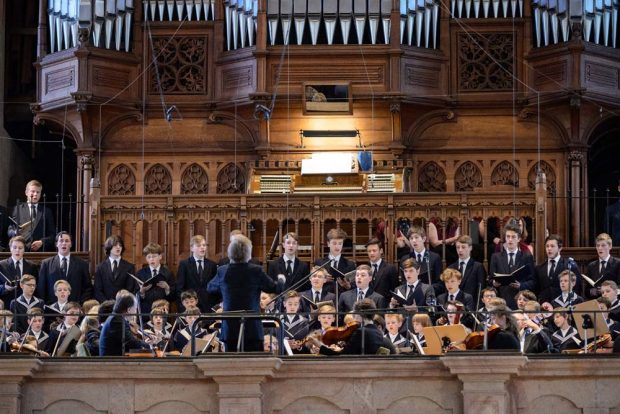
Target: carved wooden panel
{"points": [[467, 177], [549, 173], [432, 178], [602, 75], [231, 180], [157, 180], [552, 73], [505, 173], [121, 181], [181, 65], [194, 180], [485, 61]]}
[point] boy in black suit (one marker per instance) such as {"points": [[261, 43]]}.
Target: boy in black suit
{"points": [[289, 265], [316, 293], [510, 259], [347, 300], [339, 264], [112, 274], [606, 267], [414, 291], [384, 275], [164, 289], [473, 275], [35, 223], [25, 302], [429, 261], [452, 280], [195, 272], [14, 268], [547, 273]]}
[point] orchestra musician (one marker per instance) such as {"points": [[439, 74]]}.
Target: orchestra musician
{"points": [[116, 335], [507, 331]]}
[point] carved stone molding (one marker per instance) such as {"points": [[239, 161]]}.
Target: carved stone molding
{"points": [[231, 180], [121, 181], [157, 180], [577, 156], [432, 178], [505, 173], [81, 100], [467, 177], [194, 180]]}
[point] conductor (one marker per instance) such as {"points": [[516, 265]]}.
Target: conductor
{"points": [[240, 284]]}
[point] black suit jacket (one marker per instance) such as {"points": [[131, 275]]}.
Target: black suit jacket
{"points": [[300, 271], [344, 266], [612, 272], [78, 277], [474, 277], [307, 294], [463, 297], [156, 293], [107, 285], [116, 337], [432, 263], [8, 269], [421, 295], [385, 280], [347, 300], [499, 264], [43, 228], [548, 286], [188, 278]]}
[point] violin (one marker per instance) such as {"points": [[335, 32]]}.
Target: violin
{"points": [[29, 346], [334, 335], [475, 340], [603, 344]]}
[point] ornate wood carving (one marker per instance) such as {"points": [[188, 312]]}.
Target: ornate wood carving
{"points": [[181, 64], [59, 79], [505, 173], [485, 61], [432, 178], [121, 181], [157, 180], [231, 180], [194, 180], [467, 177], [549, 173]]}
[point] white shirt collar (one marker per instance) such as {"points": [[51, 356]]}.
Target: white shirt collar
{"points": [[378, 263], [336, 258], [287, 258], [60, 257], [605, 259], [455, 294]]}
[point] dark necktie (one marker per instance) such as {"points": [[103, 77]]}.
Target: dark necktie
{"points": [[410, 289], [114, 268], [18, 268], [552, 269], [461, 266], [419, 258], [375, 269], [63, 267], [360, 295], [451, 297], [511, 261], [200, 269], [289, 267], [154, 272], [603, 266], [317, 297], [33, 212], [335, 264]]}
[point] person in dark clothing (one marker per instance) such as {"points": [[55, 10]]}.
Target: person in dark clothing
{"points": [[116, 336], [507, 334]]}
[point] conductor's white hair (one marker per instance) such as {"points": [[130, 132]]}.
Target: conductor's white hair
{"points": [[240, 249]]}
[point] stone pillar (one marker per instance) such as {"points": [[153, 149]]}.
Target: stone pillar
{"points": [[485, 381], [12, 375], [239, 381]]}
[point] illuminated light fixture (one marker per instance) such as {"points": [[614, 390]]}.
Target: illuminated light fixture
{"points": [[329, 163], [329, 133]]}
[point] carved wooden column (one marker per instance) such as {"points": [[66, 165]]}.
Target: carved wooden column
{"points": [[396, 146], [86, 163], [541, 215], [576, 217]]}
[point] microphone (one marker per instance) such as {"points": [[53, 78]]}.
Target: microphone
{"points": [[571, 262]]}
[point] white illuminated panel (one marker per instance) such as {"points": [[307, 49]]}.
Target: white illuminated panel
{"points": [[329, 163]]}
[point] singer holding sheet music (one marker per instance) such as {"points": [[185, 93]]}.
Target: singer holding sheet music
{"points": [[33, 220], [240, 284]]}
